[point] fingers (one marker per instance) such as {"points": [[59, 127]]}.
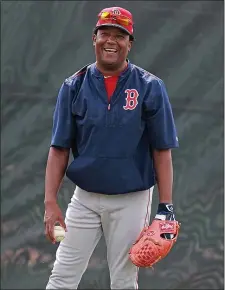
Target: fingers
{"points": [[54, 216], [49, 228], [62, 223], [49, 231]]}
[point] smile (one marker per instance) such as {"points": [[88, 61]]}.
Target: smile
{"points": [[111, 50]]}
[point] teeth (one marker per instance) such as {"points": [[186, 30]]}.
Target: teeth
{"points": [[110, 49]]}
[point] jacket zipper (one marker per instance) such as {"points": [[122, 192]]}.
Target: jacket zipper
{"points": [[108, 115]]}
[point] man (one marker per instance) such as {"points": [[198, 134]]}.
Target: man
{"points": [[117, 120]]}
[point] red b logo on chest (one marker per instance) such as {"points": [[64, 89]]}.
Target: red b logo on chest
{"points": [[131, 99]]}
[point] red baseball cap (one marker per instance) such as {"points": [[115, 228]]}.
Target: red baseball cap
{"points": [[117, 17]]}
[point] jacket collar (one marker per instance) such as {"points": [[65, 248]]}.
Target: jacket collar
{"points": [[98, 74]]}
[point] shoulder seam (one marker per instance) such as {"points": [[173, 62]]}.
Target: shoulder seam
{"points": [[78, 73], [147, 72]]}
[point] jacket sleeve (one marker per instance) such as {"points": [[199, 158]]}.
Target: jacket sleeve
{"points": [[63, 131], [159, 118]]}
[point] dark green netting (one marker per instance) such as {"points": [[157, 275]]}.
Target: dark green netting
{"points": [[42, 42]]}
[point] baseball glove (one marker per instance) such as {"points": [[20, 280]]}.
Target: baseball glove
{"points": [[152, 244]]}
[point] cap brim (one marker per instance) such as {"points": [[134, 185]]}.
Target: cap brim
{"points": [[114, 25]]}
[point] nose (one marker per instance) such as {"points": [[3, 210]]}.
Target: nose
{"points": [[111, 39]]}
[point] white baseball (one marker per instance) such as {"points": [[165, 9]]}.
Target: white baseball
{"points": [[59, 233]]}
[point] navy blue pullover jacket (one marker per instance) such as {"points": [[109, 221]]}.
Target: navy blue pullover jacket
{"points": [[112, 142]]}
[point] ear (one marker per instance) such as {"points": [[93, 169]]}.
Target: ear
{"points": [[130, 45], [94, 39]]}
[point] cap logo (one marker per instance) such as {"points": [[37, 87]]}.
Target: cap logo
{"points": [[116, 12]]}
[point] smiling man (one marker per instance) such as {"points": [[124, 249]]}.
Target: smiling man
{"points": [[113, 42], [117, 120]]}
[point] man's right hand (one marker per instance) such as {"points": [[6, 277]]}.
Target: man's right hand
{"points": [[53, 215]]}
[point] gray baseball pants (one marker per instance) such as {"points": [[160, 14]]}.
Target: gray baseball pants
{"points": [[89, 215]]}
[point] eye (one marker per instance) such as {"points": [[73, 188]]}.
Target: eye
{"points": [[120, 36], [104, 34]]}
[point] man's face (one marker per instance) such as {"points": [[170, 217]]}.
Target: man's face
{"points": [[112, 46]]}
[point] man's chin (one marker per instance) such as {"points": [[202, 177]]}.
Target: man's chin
{"points": [[110, 63]]}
